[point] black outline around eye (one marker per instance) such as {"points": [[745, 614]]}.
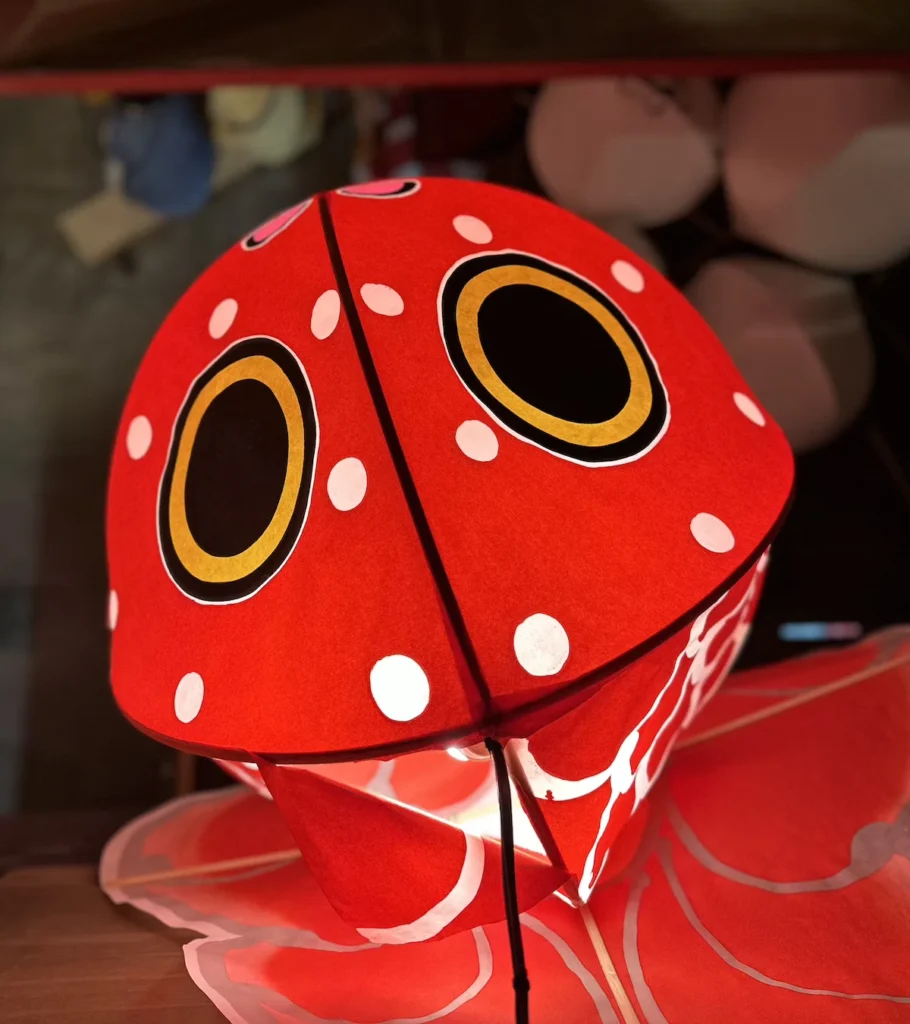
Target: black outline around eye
{"points": [[409, 187], [233, 591], [248, 245], [627, 449]]}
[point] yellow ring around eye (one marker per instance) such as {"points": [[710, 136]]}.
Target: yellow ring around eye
{"points": [[638, 405], [227, 569]]}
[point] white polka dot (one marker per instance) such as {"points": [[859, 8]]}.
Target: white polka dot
{"points": [[222, 317], [382, 299], [748, 408], [472, 228], [541, 645], [712, 533], [139, 437], [347, 484], [399, 687], [188, 697], [326, 311], [628, 276], [113, 609], [477, 441]]}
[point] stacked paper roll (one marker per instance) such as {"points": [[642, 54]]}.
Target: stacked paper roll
{"points": [[817, 166], [624, 148]]}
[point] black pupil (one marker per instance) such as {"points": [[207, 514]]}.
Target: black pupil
{"points": [[553, 354], [237, 468]]}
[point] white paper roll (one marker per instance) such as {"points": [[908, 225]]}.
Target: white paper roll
{"points": [[621, 147], [817, 166]]}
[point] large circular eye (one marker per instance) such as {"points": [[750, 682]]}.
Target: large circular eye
{"points": [[236, 487], [552, 358]]}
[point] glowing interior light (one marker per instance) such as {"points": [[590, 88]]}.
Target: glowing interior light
{"points": [[483, 820]]}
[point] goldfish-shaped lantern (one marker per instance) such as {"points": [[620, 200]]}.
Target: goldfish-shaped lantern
{"points": [[431, 464]]}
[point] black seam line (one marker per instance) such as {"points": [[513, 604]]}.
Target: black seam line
{"points": [[520, 983], [408, 487]]}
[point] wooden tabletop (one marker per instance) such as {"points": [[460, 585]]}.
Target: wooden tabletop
{"points": [[156, 44], [69, 956]]}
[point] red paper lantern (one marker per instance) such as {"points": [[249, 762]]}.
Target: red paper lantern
{"points": [[427, 464]]}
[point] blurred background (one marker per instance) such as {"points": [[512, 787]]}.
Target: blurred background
{"points": [[760, 158]]}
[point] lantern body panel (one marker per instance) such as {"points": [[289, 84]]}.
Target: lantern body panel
{"points": [[534, 530], [353, 589]]}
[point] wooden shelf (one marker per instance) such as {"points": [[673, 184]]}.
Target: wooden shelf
{"points": [[191, 44], [68, 955]]}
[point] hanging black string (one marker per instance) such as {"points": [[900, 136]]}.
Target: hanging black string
{"points": [[519, 971]]}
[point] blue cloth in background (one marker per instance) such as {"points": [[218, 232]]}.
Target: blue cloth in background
{"points": [[166, 154]]}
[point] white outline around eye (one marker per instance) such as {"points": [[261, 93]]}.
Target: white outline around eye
{"points": [[492, 415], [304, 205], [306, 511]]}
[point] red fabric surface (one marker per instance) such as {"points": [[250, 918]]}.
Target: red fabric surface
{"points": [[779, 872], [607, 551], [383, 864], [274, 948], [286, 671], [430, 779], [436, 782], [530, 532], [620, 738], [772, 886]]}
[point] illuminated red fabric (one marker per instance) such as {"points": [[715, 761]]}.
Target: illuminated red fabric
{"points": [[607, 551], [777, 887], [429, 779], [357, 843], [274, 949], [591, 769], [771, 886]]}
